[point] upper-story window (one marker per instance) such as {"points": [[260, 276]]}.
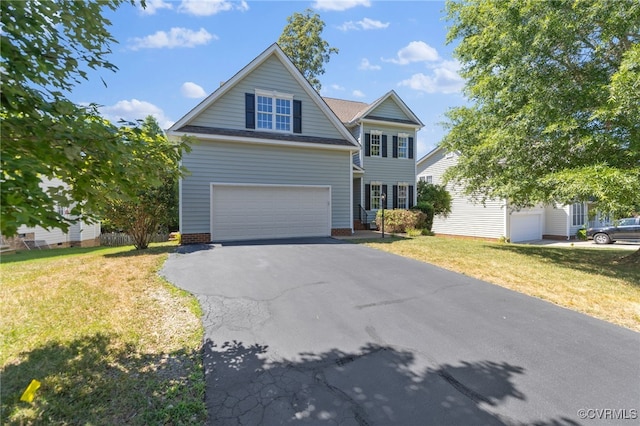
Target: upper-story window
{"points": [[273, 111], [426, 179], [376, 144], [403, 145]]}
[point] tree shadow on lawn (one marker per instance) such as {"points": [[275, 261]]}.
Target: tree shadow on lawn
{"points": [[98, 380], [378, 385], [598, 262]]}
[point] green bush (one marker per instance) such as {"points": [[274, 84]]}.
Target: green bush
{"points": [[428, 209], [581, 234], [400, 220]]}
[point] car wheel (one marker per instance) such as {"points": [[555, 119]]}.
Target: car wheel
{"points": [[601, 239]]}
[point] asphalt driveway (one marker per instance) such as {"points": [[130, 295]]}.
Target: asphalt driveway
{"points": [[322, 331]]}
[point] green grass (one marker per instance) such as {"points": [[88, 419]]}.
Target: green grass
{"points": [[595, 282], [109, 340]]}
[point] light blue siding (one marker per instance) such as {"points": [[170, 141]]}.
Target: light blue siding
{"points": [[388, 170], [229, 111], [228, 162], [389, 109]]}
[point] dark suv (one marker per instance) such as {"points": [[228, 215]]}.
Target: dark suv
{"points": [[622, 229]]}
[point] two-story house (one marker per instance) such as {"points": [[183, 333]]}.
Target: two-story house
{"points": [[384, 168], [273, 159]]}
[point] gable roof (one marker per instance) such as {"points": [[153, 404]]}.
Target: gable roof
{"points": [[413, 119], [349, 112], [183, 124]]}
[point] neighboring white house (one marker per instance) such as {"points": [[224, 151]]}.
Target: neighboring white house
{"points": [[276, 160], [496, 219], [80, 234]]}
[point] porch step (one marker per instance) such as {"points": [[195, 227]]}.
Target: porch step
{"points": [[359, 226]]}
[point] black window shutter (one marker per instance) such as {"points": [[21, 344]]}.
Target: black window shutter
{"points": [[395, 196], [367, 197], [395, 147], [410, 195], [367, 145], [250, 110], [297, 116], [410, 147], [384, 145], [386, 200]]}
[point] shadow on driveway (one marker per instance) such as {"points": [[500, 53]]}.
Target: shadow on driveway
{"points": [[378, 385]]}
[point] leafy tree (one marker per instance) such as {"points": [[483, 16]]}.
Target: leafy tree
{"points": [[437, 196], [154, 204], [555, 101], [47, 47], [302, 41]]}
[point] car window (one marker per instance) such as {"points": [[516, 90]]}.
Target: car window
{"points": [[627, 222]]}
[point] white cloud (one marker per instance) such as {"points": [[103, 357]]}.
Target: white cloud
{"points": [[192, 90], [135, 110], [339, 5], [366, 65], [176, 37], [152, 6], [337, 87], [444, 78], [416, 51], [210, 7], [357, 94], [365, 24]]}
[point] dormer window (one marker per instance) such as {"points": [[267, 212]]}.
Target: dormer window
{"points": [[273, 111]]}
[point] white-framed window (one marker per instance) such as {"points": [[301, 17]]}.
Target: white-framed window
{"points": [[273, 111], [376, 195], [403, 196], [403, 145], [577, 214], [376, 143], [426, 179]]}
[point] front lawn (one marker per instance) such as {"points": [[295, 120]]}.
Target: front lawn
{"points": [[586, 280], [110, 342]]}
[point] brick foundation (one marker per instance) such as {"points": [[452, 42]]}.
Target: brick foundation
{"points": [[342, 232], [195, 238]]}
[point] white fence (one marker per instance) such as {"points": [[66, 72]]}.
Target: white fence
{"points": [[117, 239]]}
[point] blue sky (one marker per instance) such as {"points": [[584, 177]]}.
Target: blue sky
{"points": [[174, 53]]}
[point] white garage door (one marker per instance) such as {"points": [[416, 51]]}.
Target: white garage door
{"points": [[247, 212], [526, 227]]}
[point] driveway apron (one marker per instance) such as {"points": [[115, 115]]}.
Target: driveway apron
{"points": [[319, 331]]}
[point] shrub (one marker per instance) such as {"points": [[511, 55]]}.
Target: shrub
{"points": [[413, 232], [400, 220], [581, 234], [428, 209]]}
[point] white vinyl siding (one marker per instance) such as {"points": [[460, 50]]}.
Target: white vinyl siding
{"points": [[230, 162], [229, 111], [467, 218]]}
